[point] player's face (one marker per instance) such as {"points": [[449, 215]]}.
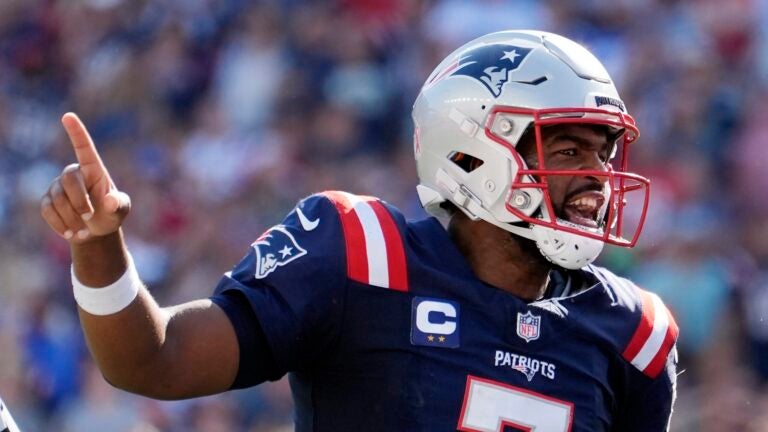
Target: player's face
{"points": [[581, 199]]}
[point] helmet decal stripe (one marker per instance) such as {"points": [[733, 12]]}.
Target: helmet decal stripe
{"points": [[443, 74]]}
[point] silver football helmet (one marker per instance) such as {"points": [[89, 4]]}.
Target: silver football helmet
{"points": [[478, 104]]}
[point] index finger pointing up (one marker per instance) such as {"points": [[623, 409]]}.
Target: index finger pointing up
{"points": [[85, 150]]}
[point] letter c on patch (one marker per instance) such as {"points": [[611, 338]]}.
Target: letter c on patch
{"points": [[436, 317]]}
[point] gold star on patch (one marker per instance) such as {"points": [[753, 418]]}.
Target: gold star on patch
{"points": [[431, 338], [442, 338]]}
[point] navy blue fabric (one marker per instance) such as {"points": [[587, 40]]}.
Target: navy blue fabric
{"points": [[355, 364]]}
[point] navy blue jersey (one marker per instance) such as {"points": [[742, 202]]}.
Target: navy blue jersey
{"points": [[384, 327]]}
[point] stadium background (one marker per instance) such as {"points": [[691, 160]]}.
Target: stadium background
{"points": [[217, 116]]}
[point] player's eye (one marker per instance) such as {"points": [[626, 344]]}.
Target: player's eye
{"points": [[567, 152]]}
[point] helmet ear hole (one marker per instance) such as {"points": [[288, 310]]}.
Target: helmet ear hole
{"points": [[464, 161]]}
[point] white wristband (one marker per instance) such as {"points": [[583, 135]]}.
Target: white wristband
{"points": [[110, 299]]}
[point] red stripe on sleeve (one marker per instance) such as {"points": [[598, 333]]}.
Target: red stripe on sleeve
{"points": [[656, 365], [673, 324], [354, 238], [644, 328], [396, 263]]}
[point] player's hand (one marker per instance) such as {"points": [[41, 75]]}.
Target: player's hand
{"points": [[83, 203]]}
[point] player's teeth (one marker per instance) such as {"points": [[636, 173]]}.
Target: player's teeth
{"points": [[584, 202]]}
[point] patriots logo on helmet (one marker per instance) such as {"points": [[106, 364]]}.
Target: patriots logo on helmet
{"points": [[275, 248], [491, 64]]}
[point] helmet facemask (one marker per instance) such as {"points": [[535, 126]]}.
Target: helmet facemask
{"points": [[608, 201]]}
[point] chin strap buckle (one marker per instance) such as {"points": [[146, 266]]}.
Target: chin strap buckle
{"points": [[468, 199], [460, 195]]}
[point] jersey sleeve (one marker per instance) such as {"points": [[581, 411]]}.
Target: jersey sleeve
{"points": [[649, 403], [654, 336], [635, 322], [285, 298], [651, 351], [644, 333]]}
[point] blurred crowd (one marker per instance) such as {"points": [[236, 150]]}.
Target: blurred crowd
{"points": [[216, 116]]}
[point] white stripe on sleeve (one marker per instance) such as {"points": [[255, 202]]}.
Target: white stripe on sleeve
{"points": [[653, 344], [376, 249]]}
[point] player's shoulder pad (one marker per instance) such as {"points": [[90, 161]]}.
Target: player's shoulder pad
{"points": [[328, 231], [652, 331], [373, 240], [308, 235]]}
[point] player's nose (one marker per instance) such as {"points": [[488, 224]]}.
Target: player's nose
{"points": [[594, 163]]}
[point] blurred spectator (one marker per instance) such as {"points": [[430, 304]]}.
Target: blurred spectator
{"points": [[99, 408]]}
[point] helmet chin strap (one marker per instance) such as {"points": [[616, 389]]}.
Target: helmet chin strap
{"points": [[564, 249], [567, 250]]}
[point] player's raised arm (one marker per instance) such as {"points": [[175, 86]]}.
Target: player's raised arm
{"points": [[83, 201], [178, 352]]}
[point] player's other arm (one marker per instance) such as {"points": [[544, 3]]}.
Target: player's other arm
{"points": [[649, 404], [167, 353], [652, 369]]}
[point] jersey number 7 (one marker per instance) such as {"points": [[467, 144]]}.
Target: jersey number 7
{"points": [[490, 406]]}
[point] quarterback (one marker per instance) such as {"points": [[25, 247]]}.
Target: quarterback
{"points": [[487, 316]]}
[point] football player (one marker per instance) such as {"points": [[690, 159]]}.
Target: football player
{"points": [[494, 319], [7, 424]]}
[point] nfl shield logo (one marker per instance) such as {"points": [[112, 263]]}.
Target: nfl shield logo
{"points": [[528, 326]]}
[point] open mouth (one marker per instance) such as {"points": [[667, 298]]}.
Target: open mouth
{"points": [[585, 209]]}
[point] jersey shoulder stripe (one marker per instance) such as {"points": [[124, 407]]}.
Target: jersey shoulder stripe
{"points": [[374, 245], [651, 329], [654, 336]]}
